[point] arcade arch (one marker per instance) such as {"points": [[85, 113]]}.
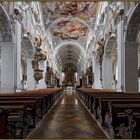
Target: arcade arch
{"points": [[131, 51], [110, 64]]}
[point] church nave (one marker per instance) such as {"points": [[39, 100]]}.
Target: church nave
{"points": [[67, 119], [49, 49]]}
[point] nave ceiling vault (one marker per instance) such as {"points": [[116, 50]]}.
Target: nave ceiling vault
{"points": [[72, 23]]}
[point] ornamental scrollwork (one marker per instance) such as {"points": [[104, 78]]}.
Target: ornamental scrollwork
{"points": [[38, 56]]}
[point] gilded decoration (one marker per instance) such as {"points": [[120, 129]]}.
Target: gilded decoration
{"points": [[69, 70], [49, 74], [89, 74], [38, 56]]}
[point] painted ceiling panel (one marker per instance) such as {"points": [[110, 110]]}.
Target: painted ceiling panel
{"points": [[55, 10], [67, 29]]}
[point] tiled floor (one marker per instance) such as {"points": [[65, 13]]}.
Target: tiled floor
{"points": [[68, 119]]}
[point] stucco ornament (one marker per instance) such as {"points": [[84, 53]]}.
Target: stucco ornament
{"points": [[39, 56]]}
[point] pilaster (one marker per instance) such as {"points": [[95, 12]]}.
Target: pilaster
{"points": [[131, 67], [30, 72], [8, 83], [18, 55]]}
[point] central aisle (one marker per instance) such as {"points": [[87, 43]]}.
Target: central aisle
{"points": [[68, 119]]}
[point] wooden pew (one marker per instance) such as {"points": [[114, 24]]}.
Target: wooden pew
{"points": [[46, 94], [15, 118], [21, 112], [111, 113], [25, 105], [107, 105], [35, 102]]}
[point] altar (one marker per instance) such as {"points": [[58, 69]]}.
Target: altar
{"points": [[69, 88]]}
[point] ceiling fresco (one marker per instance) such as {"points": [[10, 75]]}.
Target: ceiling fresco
{"points": [[72, 23], [55, 10], [68, 8], [67, 29]]}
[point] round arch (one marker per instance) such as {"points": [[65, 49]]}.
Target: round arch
{"points": [[131, 51], [58, 20], [97, 70], [48, 32], [65, 43], [78, 52], [109, 65], [133, 24]]}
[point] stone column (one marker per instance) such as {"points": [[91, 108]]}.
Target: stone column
{"points": [[120, 55], [61, 78], [42, 83], [93, 65], [30, 72], [107, 71], [7, 67], [78, 79], [131, 67], [18, 55], [97, 82]]}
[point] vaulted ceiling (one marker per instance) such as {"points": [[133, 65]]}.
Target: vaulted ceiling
{"points": [[70, 26], [69, 53]]}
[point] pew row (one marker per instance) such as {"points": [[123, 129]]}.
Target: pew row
{"points": [[118, 113], [26, 109]]}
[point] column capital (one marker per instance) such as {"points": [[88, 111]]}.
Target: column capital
{"points": [[131, 44]]}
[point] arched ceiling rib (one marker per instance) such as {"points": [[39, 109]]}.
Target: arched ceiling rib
{"points": [[69, 53], [69, 29], [72, 43]]}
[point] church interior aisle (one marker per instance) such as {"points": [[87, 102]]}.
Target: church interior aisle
{"points": [[67, 119]]}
